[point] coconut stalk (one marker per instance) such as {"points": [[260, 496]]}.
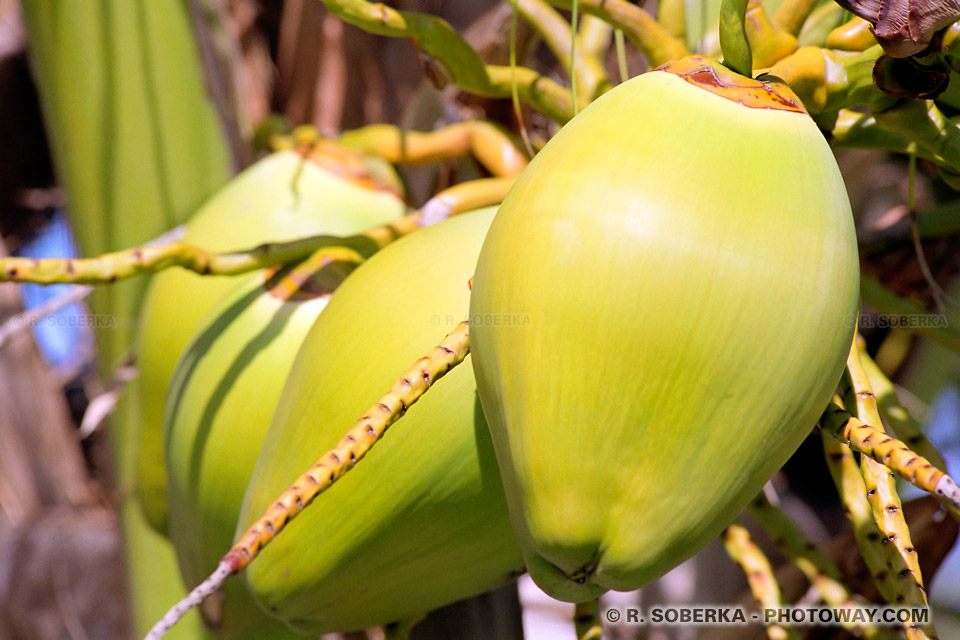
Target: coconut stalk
{"points": [[328, 469], [451, 60], [763, 584], [588, 71], [853, 494], [896, 415], [875, 444], [649, 36], [111, 268], [586, 619], [817, 566], [485, 141], [901, 556]]}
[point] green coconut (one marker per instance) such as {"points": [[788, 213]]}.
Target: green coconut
{"points": [[660, 313], [280, 198], [422, 520], [221, 401]]}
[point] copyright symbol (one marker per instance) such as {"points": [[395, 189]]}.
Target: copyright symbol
{"points": [[434, 319], [850, 321], [612, 615]]}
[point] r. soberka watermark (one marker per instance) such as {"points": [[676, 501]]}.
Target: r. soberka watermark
{"points": [[485, 319], [721, 615]]}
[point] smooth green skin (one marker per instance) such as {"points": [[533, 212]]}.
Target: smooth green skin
{"points": [[221, 401], [686, 269], [279, 198], [421, 521]]}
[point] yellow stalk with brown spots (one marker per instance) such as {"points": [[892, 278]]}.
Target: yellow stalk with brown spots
{"points": [[816, 565], [329, 468], [891, 453], [896, 415], [763, 584], [901, 556], [145, 260], [853, 494]]}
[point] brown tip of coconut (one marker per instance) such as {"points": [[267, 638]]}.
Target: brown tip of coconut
{"points": [[712, 76]]}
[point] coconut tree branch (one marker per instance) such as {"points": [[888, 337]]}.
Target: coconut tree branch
{"points": [[896, 415], [891, 453], [590, 74], [853, 494], [586, 620], [763, 584], [881, 452], [328, 469], [649, 36], [816, 565], [487, 142], [452, 60], [595, 36], [112, 267]]}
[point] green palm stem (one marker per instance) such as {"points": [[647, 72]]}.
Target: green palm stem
{"points": [[816, 565], [488, 143], [648, 35], [882, 494], [829, 80], [591, 77], [922, 323], [368, 430], [853, 494], [763, 584], [922, 122], [452, 60], [791, 15], [734, 43], [586, 620], [120, 265], [855, 34]]}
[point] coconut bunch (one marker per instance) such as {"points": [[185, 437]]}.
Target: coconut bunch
{"points": [[600, 376]]}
